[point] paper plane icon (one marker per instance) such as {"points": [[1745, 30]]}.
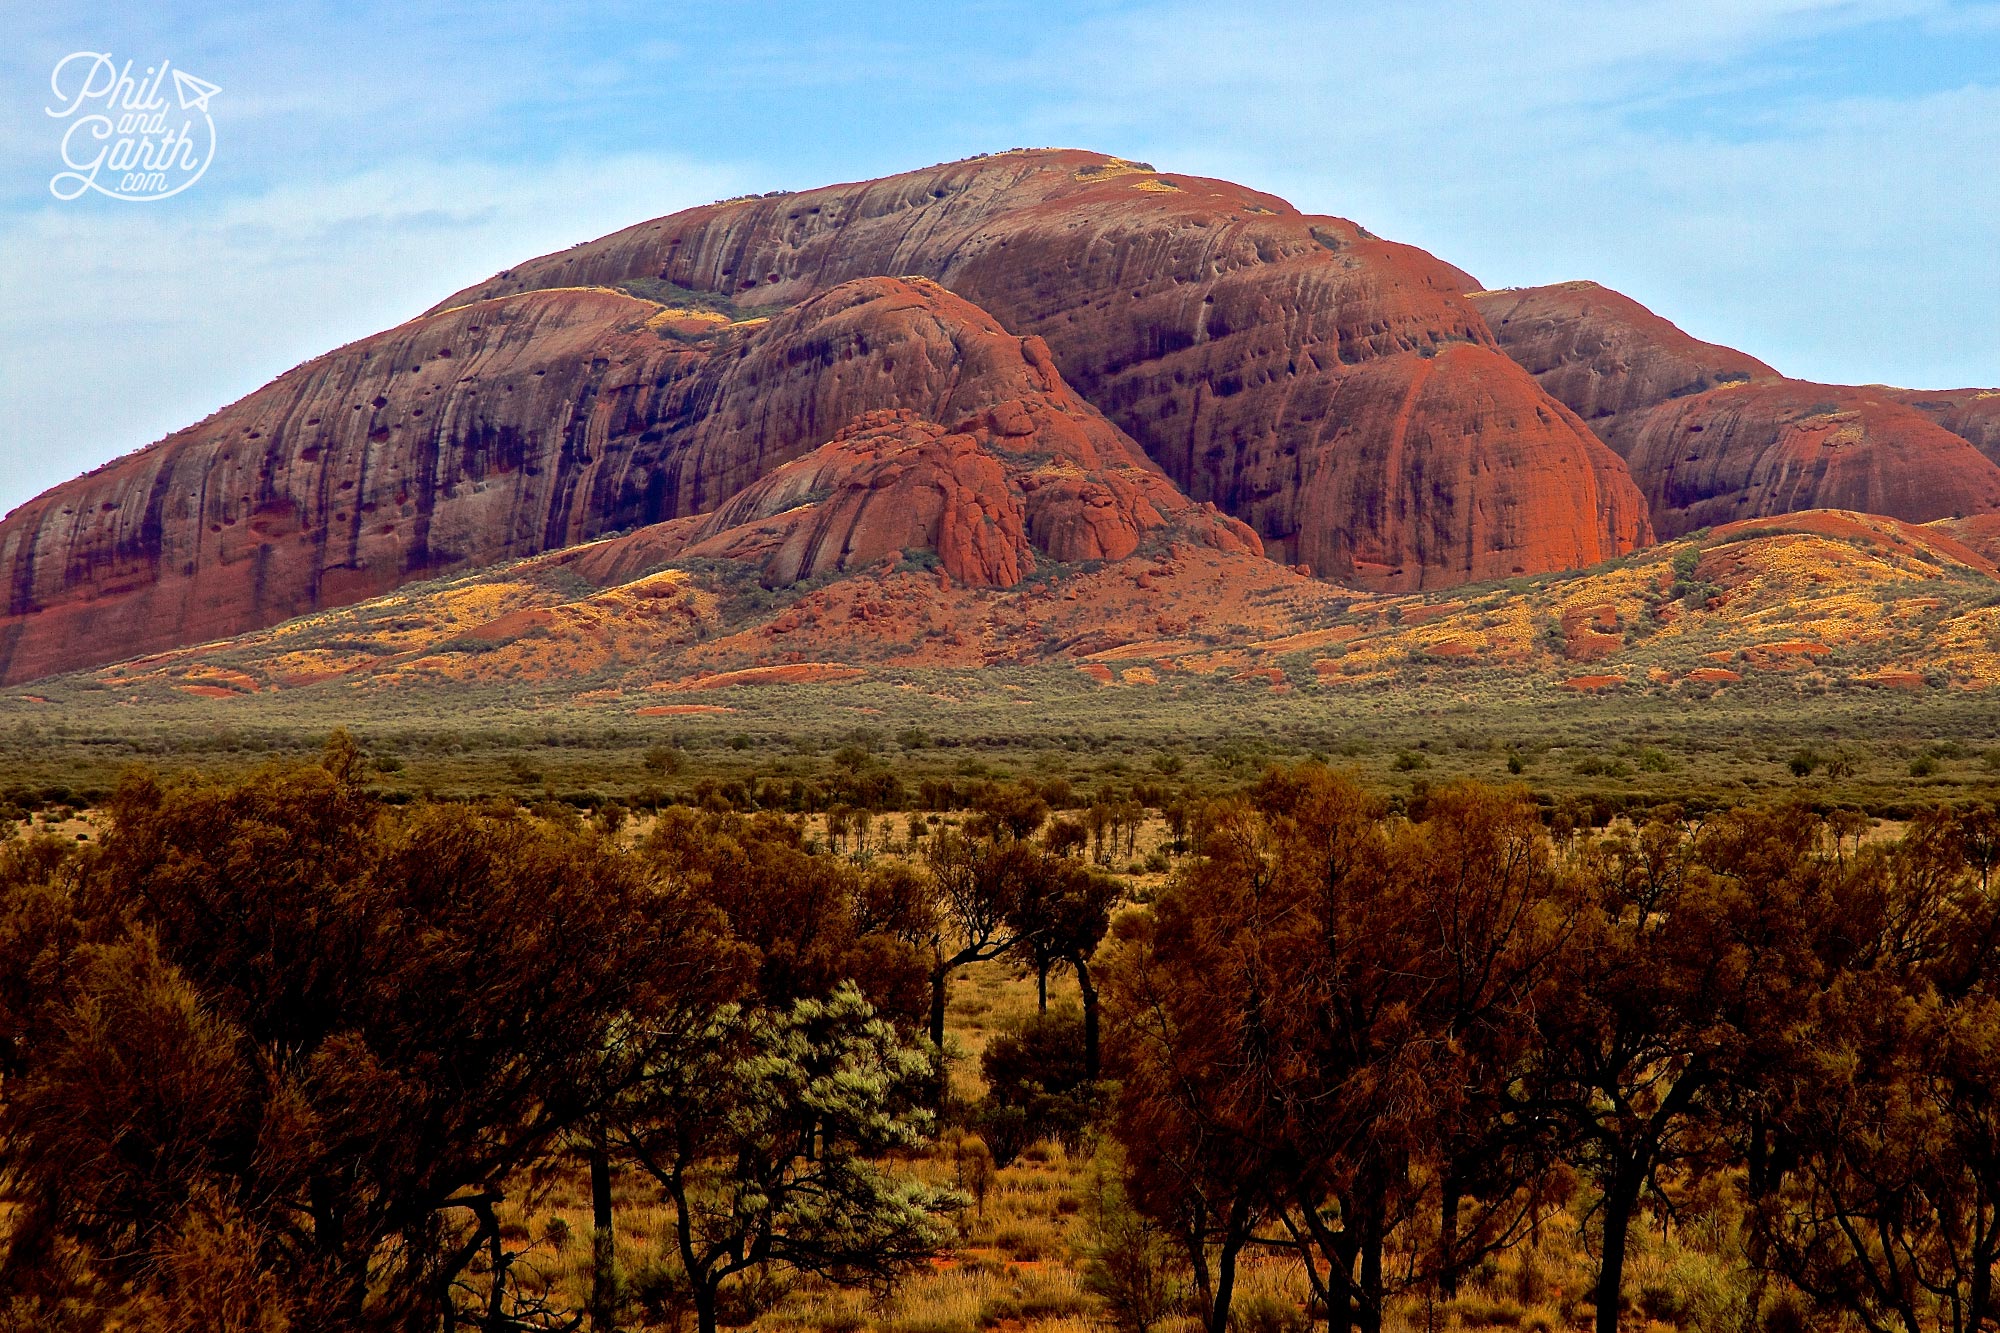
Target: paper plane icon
{"points": [[194, 93]]}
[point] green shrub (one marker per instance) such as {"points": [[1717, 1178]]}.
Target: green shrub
{"points": [[1038, 1087], [1131, 1265]]}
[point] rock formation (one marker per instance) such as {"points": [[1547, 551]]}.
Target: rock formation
{"points": [[986, 501], [1333, 390], [519, 425], [992, 365], [1971, 414], [1712, 435], [451, 441], [1781, 446]]}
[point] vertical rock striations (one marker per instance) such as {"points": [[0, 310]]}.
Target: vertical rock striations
{"points": [[531, 422], [1335, 391], [1712, 435]]}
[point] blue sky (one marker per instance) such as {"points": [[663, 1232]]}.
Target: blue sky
{"points": [[1815, 181]]}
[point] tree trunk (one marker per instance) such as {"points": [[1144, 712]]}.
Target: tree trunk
{"points": [[1621, 1200], [704, 1306], [1338, 1248], [1042, 985], [940, 976], [1448, 1239], [603, 1251], [1979, 1301], [1195, 1238], [1091, 1060], [1234, 1230], [327, 1231], [1339, 1305], [330, 1237], [496, 1257], [1225, 1287], [940, 1077], [1371, 1269], [702, 1284]]}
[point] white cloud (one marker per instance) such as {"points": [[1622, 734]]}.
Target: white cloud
{"points": [[1849, 239]]}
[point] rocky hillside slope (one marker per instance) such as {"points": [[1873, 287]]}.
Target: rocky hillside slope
{"points": [[994, 410], [643, 625], [1333, 390], [1712, 435], [534, 422]]}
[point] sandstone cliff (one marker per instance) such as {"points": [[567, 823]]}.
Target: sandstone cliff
{"points": [[1971, 414], [1334, 390], [1712, 435], [507, 427]]}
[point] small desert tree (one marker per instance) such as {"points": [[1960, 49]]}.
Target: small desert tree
{"points": [[1202, 1141], [1684, 984], [1879, 1193], [1318, 1027], [761, 1142], [1891, 1211], [975, 887], [1060, 915]]}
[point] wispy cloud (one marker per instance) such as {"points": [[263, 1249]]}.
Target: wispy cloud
{"points": [[1814, 180], [133, 322], [1687, 152]]}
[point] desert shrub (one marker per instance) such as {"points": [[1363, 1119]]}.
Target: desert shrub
{"points": [[1025, 1242], [973, 1161], [1065, 837], [1266, 1312], [1531, 1283], [1038, 1085], [1051, 1295], [1004, 1126], [1483, 1312], [1786, 1312], [1132, 1266], [660, 1293], [1663, 1303]]}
